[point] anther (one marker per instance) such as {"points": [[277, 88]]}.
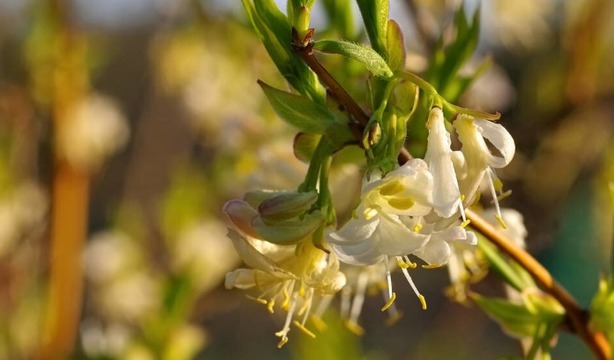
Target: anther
{"points": [[465, 223], [389, 302], [304, 329], [500, 220], [422, 301]]}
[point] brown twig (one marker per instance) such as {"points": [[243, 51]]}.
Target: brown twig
{"points": [[577, 316]]}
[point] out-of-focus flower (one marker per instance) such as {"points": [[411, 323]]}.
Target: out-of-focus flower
{"points": [[521, 24], [93, 130], [21, 211], [126, 289], [468, 265], [198, 251], [287, 275]]}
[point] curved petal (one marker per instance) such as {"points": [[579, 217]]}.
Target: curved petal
{"points": [[446, 195], [361, 253], [500, 138], [241, 214], [393, 238], [251, 256], [355, 230], [434, 252]]}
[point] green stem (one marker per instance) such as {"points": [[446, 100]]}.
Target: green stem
{"points": [[418, 81], [315, 165]]}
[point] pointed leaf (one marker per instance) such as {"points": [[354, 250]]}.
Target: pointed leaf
{"points": [[361, 53], [375, 17], [395, 46], [298, 111]]}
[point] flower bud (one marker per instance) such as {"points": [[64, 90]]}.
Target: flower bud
{"points": [[286, 206]]}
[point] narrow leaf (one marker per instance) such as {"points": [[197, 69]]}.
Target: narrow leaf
{"points": [[298, 111], [363, 54], [395, 46], [375, 17]]}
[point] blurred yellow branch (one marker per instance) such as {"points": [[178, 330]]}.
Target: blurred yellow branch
{"points": [[69, 190]]}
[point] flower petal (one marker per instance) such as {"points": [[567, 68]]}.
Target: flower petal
{"points": [[500, 138], [446, 194]]}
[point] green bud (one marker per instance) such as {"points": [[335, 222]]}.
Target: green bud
{"points": [[288, 232], [286, 206], [602, 316]]}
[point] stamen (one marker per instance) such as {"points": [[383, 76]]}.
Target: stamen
{"points": [[257, 299], [394, 315], [389, 302], [418, 227], [500, 220], [504, 195], [346, 296], [388, 278], [354, 327], [465, 223], [413, 286], [405, 263], [495, 200], [270, 306], [283, 333], [359, 297], [422, 301], [304, 329], [432, 266]]}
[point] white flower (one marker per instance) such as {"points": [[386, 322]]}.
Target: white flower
{"points": [[437, 251], [286, 275], [479, 159], [377, 230], [440, 159]]}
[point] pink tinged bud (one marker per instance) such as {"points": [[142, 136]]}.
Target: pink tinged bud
{"points": [[241, 214]]}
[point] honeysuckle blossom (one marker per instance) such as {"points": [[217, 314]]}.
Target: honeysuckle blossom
{"points": [[376, 230], [285, 275], [479, 159], [440, 158]]}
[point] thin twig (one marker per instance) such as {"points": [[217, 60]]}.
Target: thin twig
{"points": [[304, 49], [577, 316]]}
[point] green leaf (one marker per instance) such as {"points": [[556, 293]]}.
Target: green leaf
{"points": [[602, 316], [275, 32], [340, 16], [363, 54], [395, 46], [503, 266], [516, 319], [375, 17], [445, 64], [298, 111]]}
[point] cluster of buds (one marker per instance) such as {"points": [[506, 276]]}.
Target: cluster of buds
{"points": [[416, 211]]}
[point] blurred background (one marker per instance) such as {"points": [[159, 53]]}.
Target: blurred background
{"points": [[112, 241]]}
